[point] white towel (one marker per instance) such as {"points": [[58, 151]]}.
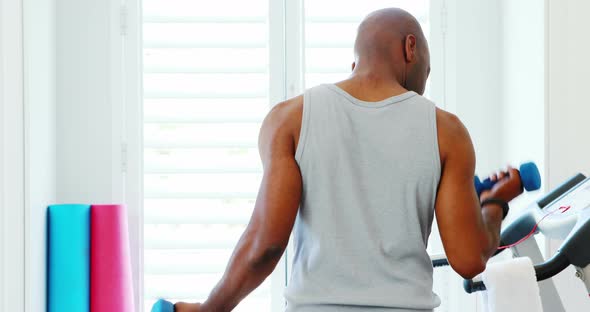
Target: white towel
{"points": [[511, 286]]}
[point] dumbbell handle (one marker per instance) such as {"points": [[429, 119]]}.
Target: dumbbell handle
{"points": [[529, 175]]}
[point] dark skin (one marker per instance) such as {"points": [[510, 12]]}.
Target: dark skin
{"points": [[392, 58]]}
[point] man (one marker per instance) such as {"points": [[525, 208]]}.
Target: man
{"points": [[356, 170]]}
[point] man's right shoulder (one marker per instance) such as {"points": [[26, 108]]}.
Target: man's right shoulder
{"points": [[449, 122]]}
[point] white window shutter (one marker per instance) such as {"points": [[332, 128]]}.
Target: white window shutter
{"points": [[206, 92]]}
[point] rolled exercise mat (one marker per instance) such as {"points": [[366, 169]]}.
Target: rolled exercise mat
{"points": [[111, 285], [68, 279]]}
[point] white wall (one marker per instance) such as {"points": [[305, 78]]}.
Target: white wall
{"points": [[27, 150], [84, 107], [523, 81], [568, 112], [40, 172], [523, 91], [495, 81], [568, 105], [12, 220], [98, 83], [473, 85]]}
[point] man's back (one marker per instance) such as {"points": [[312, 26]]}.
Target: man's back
{"points": [[370, 173]]}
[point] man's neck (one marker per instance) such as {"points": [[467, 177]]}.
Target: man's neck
{"points": [[370, 87]]}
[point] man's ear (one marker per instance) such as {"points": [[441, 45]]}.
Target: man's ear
{"points": [[353, 66], [410, 48]]}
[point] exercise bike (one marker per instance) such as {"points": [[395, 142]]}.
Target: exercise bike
{"points": [[562, 214]]}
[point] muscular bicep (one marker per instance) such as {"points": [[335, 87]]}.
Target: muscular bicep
{"points": [[457, 209]]}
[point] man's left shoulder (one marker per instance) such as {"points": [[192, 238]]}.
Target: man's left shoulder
{"points": [[288, 114]]}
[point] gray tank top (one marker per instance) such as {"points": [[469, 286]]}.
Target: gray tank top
{"points": [[370, 175]]}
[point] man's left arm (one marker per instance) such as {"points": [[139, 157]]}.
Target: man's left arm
{"points": [[264, 241]]}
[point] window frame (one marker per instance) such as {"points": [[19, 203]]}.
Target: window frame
{"points": [[129, 142]]}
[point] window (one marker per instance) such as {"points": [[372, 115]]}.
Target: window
{"points": [[207, 87]]}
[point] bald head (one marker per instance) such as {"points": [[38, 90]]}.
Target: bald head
{"points": [[380, 28], [390, 42]]}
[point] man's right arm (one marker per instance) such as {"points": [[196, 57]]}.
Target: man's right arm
{"points": [[470, 233]]}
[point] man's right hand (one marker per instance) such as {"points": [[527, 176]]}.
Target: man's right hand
{"points": [[507, 187]]}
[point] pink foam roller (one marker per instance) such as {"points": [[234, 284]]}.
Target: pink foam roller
{"points": [[111, 285]]}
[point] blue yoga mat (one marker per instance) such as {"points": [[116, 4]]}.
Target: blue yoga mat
{"points": [[68, 279]]}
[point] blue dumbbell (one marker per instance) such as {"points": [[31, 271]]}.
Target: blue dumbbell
{"points": [[162, 306], [529, 175]]}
